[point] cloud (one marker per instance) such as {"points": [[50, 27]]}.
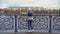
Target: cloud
{"points": [[28, 3], [40, 3], [7, 3], [3, 6]]}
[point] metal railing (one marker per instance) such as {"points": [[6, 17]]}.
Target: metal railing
{"points": [[18, 23]]}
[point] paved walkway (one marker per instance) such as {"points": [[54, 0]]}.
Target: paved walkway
{"points": [[30, 33]]}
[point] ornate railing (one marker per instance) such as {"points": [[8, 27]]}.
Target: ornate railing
{"points": [[41, 23]]}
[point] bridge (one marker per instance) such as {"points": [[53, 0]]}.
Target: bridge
{"points": [[43, 23]]}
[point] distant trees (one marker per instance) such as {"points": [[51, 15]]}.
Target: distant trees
{"points": [[24, 11]]}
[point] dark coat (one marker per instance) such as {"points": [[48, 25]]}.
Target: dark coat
{"points": [[29, 13]]}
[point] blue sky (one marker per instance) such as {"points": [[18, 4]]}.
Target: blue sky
{"points": [[28, 3]]}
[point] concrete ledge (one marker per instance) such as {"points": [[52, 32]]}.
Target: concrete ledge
{"points": [[7, 31], [55, 31]]}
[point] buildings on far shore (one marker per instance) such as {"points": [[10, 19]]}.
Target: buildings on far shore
{"points": [[36, 10]]}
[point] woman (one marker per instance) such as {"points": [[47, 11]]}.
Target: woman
{"points": [[30, 19]]}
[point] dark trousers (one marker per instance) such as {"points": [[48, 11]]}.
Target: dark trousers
{"points": [[30, 24]]}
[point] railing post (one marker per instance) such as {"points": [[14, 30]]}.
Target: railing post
{"points": [[50, 23], [15, 23]]}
